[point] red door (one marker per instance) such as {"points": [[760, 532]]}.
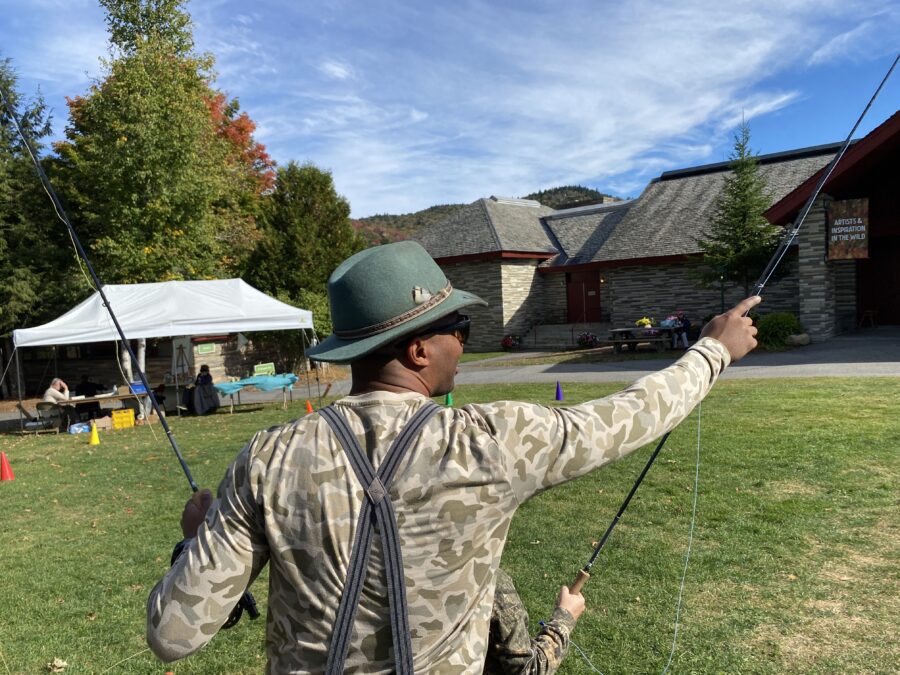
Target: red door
{"points": [[583, 296]]}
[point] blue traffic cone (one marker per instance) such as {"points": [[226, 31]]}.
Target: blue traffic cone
{"points": [[559, 394]]}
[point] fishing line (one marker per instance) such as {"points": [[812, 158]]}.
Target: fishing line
{"points": [[8, 364], [687, 557], [687, 553]]}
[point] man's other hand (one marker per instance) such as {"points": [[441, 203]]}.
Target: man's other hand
{"points": [[573, 603], [195, 512]]}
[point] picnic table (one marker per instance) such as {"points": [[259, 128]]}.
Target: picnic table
{"points": [[657, 336], [263, 383]]}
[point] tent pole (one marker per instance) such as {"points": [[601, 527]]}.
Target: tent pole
{"points": [[19, 388], [306, 366]]}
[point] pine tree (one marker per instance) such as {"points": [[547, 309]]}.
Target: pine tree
{"points": [[36, 263], [740, 240]]}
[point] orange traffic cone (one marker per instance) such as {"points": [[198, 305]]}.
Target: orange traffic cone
{"points": [[6, 472], [95, 437], [309, 407]]}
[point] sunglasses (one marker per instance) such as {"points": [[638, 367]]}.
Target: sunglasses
{"points": [[459, 329]]}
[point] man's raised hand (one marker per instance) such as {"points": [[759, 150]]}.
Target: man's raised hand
{"points": [[734, 329]]}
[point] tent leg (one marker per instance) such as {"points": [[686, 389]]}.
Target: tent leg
{"points": [[19, 388], [306, 361]]}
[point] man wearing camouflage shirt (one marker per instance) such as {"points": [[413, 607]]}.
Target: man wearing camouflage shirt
{"points": [[511, 649], [291, 499]]}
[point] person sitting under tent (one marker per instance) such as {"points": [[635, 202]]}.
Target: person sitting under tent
{"points": [[58, 392], [202, 398]]}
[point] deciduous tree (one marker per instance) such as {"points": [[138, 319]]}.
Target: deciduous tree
{"points": [[149, 176]]}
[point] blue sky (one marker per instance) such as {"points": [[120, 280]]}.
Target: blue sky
{"points": [[411, 104]]}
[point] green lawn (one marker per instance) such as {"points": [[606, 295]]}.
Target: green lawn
{"points": [[794, 566]]}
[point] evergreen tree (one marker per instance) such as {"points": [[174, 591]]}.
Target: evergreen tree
{"points": [[36, 262], [740, 240], [306, 232]]}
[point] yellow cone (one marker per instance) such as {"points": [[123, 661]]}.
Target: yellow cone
{"points": [[95, 437]]}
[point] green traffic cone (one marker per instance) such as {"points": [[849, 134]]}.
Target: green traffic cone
{"points": [[449, 399]]}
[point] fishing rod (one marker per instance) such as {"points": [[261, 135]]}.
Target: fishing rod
{"points": [[787, 240], [247, 601]]}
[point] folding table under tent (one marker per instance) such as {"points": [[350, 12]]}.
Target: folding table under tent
{"points": [[166, 309]]}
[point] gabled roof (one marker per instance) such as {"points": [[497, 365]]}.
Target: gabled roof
{"points": [[489, 226], [666, 221], [878, 143], [580, 233], [676, 208]]}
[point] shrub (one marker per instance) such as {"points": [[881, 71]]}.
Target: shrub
{"points": [[775, 328]]}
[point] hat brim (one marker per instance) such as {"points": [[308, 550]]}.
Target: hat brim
{"points": [[341, 350]]}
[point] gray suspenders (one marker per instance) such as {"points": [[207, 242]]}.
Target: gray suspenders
{"points": [[376, 510]]}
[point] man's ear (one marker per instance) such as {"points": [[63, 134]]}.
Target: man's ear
{"points": [[417, 352]]}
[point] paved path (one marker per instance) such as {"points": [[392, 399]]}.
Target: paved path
{"points": [[869, 353]]}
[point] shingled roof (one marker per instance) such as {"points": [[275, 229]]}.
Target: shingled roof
{"points": [[580, 233], [488, 226], [666, 220], [676, 208]]}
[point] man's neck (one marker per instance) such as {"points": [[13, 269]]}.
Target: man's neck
{"points": [[391, 377]]}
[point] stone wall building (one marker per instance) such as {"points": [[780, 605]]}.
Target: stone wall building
{"points": [[614, 263]]}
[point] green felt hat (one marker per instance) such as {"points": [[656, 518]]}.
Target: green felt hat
{"points": [[383, 293]]}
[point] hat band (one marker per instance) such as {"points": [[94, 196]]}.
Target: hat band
{"points": [[377, 328]]}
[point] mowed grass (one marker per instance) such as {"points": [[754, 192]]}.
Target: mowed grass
{"points": [[794, 566]]}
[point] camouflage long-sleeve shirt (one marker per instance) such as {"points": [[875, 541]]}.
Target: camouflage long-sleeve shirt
{"points": [[511, 649], [291, 499]]}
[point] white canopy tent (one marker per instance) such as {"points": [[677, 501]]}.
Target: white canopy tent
{"points": [[168, 309]]}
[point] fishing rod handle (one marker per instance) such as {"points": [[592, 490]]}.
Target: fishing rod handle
{"points": [[580, 580]]}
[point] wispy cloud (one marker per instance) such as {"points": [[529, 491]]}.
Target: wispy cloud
{"points": [[412, 104], [849, 43], [335, 70]]}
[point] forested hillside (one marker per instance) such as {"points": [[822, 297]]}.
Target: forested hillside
{"points": [[567, 196]]}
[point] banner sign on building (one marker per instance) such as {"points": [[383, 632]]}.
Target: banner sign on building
{"points": [[848, 229]]}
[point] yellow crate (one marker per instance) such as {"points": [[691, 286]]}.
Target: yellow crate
{"points": [[123, 418]]}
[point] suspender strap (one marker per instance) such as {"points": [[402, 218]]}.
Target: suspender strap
{"points": [[378, 511]]}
